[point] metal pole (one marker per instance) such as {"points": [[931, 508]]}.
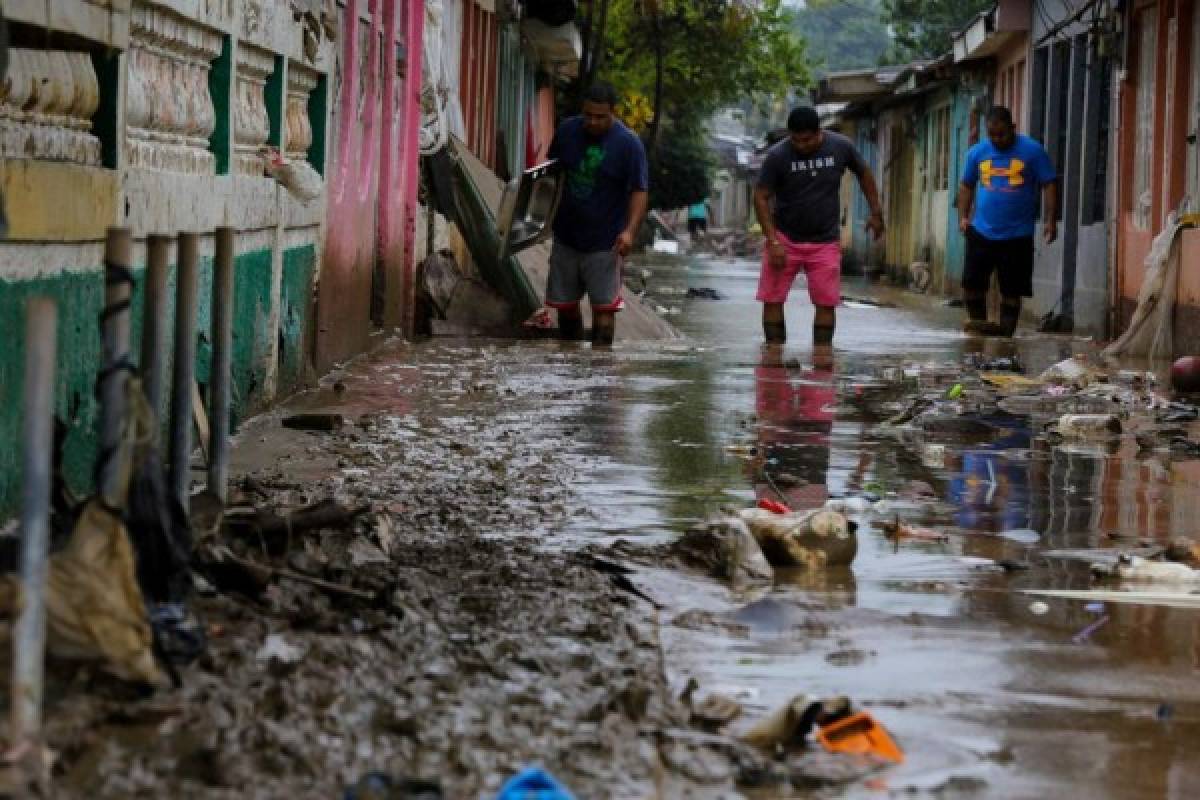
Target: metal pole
{"points": [[154, 312], [114, 375], [219, 385], [183, 368], [29, 639]]}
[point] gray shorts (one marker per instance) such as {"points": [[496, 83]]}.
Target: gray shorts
{"points": [[574, 274]]}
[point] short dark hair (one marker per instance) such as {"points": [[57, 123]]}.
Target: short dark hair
{"points": [[1000, 114], [804, 120], [601, 93]]}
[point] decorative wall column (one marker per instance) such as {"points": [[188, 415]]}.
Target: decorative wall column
{"points": [[298, 131], [46, 105], [251, 122], [169, 111]]}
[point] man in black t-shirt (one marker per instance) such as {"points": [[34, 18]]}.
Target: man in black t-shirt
{"points": [[797, 204]]}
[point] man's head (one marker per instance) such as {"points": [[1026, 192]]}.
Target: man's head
{"points": [[1000, 128], [804, 129], [599, 103]]}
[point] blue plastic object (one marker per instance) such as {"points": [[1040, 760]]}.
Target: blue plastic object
{"points": [[534, 783]]}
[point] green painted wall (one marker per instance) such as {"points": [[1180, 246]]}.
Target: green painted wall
{"points": [[80, 297], [299, 266]]}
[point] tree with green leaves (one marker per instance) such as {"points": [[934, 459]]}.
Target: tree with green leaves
{"points": [[687, 59], [923, 29], [842, 34]]}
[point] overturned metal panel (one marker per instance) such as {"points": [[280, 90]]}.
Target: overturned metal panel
{"points": [[528, 207]]}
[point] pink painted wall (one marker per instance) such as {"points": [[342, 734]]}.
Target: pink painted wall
{"points": [[372, 176]]}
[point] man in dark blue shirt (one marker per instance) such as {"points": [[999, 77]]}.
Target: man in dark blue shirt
{"points": [[997, 206], [602, 206]]}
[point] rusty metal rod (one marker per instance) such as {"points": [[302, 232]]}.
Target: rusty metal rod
{"points": [[29, 636], [183, 372], [114, 364], [154, 314], [219, 385]]}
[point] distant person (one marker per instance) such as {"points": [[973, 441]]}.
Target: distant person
{"points": [[602, 207], [698, 218], [801, 178], [997, 207]]}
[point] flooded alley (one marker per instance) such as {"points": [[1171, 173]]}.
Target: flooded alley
{"points": [[500, 598]]}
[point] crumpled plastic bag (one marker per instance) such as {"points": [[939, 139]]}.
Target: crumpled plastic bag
{"points": [[812, 539], [94, 607]]}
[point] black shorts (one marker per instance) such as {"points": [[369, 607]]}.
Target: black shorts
{"points": [[1012, 260]]}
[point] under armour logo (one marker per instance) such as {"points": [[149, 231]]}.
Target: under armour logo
{"points": [[1014, 172]]}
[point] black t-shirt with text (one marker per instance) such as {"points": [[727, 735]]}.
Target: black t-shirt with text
{"points": [[806, 186]]}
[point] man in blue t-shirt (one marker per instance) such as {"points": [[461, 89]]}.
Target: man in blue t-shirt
{"points": [[997, 206], [602, 206]]}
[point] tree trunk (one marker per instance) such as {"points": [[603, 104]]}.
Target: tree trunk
{"points": [[598, 48], [659, 48]]}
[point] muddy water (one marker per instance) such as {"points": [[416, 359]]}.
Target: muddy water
{"points": [[986, 697]]}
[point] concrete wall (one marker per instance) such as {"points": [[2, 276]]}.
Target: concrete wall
{"points": [[173, 99]]}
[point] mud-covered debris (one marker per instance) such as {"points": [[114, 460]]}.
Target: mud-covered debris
{"points": [[1135, 569], [711, 711], [276, 529], [790, 725], [95, 610], [725, 548], [325, 422], [817, 769], [1088, 426], [895, 529], [277, 648], [1183, 551], [813, 539], [1076, 372]]}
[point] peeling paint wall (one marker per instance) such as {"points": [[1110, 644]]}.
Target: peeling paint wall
{"points": [[174, 100]]}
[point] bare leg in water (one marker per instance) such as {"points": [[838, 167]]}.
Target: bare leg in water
{"points": [[775, 329]]}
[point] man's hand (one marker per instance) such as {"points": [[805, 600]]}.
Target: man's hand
{"points": [[624, 244], [875, 225], [1050, 230], [964, 225], [776, 254]]}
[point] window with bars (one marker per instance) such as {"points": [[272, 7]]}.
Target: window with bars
{"points": [[1095, 168]]}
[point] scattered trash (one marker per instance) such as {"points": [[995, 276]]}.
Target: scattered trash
{"points": [[314, 422], [956, 391], [813, 539], [1136, 569], [1094, 608], [1164, 712], [713, 711], [859, 734], [1074, 372], [900, 530], [1021, 535], [790, 725], [1178, 597], [1087, 632], [725, 548], [1039, 608], [1088, 426], [95, 610], [934, 456], [666, 246], [534, 783], [773, 506], [704, 292], [298, 177]]}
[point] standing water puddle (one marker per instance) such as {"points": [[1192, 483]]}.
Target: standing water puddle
{"points": [[986, 697]]}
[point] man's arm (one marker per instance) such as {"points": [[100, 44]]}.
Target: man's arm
{"points": [[762, 210], [1050, 211], [638, 200], [965, 205], [870, 190]]}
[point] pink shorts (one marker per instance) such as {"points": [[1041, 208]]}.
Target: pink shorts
{"points": [[820, 262]]}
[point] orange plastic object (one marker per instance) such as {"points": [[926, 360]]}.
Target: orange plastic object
{"points": [[860, 734], [774, 507]]}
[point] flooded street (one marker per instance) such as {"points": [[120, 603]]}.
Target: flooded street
{"points": [[987, 697], [502, 595]]}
